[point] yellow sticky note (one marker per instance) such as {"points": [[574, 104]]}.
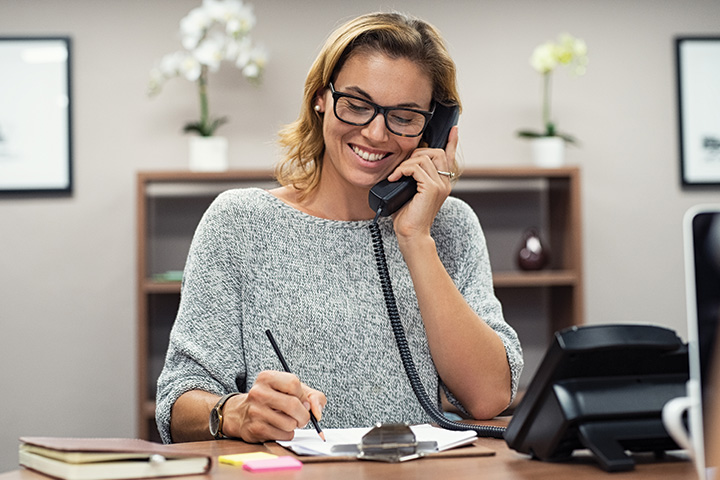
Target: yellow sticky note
{"points": [[239, 458]]}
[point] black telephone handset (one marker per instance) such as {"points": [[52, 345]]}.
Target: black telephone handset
{"points": [[390, 196]]}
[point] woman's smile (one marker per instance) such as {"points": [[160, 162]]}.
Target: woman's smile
{"points": [[368, 154]]}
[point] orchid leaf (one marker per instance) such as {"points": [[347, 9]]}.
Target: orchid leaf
{"points": [[205, 129], [531, 134]]}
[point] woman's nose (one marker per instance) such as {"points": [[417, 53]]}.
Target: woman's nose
{"points": [[376, 130]]}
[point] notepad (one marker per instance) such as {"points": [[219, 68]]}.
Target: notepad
{"points": [[238, 459], [272, 464], [345, 441]]}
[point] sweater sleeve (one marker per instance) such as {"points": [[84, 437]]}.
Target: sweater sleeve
{"points": [[198, 357], [465, 253]]}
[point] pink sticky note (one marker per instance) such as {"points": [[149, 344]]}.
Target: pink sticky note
{"points": [[273, 464]]}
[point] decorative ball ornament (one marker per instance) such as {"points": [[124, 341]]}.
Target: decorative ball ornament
{"points": [[532, 254]]}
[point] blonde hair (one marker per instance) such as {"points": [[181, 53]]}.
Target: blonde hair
{"points": [[393, 34]]}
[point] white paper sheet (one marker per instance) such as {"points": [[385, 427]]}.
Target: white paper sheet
{"points": [[307, 441]]}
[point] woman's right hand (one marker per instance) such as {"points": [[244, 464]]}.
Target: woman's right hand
{"points": [[275, 406]]}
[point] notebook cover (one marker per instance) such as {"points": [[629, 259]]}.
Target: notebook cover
{"points": [[85, 450]]}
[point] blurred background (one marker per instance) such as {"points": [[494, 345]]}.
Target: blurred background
{"points": [[67, 264]]}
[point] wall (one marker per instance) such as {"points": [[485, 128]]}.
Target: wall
{"points": [[67, 298]]}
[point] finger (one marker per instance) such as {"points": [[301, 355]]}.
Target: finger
{"points": [[254, 418], [427, 168], [266, 424], [451, 148], [284, 382], [282, 392], [315, 401], [409, 166], [445, 161], [409, 169], [309, 399], [439, 160]]}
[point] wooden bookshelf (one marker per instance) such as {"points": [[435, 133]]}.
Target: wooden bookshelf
{"points": [[506, 200]]}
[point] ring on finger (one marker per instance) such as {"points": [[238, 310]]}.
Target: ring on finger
{"points": [[450, 175]]}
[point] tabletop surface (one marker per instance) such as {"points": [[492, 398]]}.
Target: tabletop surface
{"points": [[505, 463]]}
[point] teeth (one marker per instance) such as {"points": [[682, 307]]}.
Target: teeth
{"points": [[370, 157]]}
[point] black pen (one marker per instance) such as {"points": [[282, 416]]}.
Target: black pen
{"points": [[287, 369]]}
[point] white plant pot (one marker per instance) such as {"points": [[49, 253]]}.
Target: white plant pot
{"points": [[208, 154], [548, 152]]}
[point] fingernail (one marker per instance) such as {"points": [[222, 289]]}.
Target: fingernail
{"points": [[306, 405]]}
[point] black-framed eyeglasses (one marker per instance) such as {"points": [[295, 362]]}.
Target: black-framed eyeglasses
{"points": [[405, 122]]}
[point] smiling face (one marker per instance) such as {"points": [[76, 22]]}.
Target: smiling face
{"points": [[357, 157]]}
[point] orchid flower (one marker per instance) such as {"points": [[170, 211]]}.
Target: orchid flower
{"points": [[216, 31], [568, 51]]}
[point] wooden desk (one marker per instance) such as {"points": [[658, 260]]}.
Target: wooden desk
{"points": [[505, 464]]}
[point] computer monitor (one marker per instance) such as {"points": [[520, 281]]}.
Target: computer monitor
{"points": [[602, 388], [702, 275]]}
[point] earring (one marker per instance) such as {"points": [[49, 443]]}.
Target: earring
{"points": [[317, 108]]}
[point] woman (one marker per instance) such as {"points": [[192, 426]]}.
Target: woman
{"points": [[298, 260]]}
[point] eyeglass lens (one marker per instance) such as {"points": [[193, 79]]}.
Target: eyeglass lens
{"points": [[398, 120]]}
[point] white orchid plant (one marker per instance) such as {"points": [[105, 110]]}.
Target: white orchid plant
{"points": [[217, 31], [569, 51]]}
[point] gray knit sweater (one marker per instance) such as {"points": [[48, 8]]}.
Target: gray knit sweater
{"points": [[256, 263]]}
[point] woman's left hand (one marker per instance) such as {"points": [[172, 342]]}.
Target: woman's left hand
{"points": [[416, 217]]}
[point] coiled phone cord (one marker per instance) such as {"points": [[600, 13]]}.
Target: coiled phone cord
{"points": [[405, 354]]}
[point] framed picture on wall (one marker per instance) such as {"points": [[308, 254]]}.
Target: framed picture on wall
{"points": [[35, 115], [698, 93]]}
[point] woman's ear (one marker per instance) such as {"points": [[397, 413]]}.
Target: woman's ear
{"points": [[319, 101]]}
